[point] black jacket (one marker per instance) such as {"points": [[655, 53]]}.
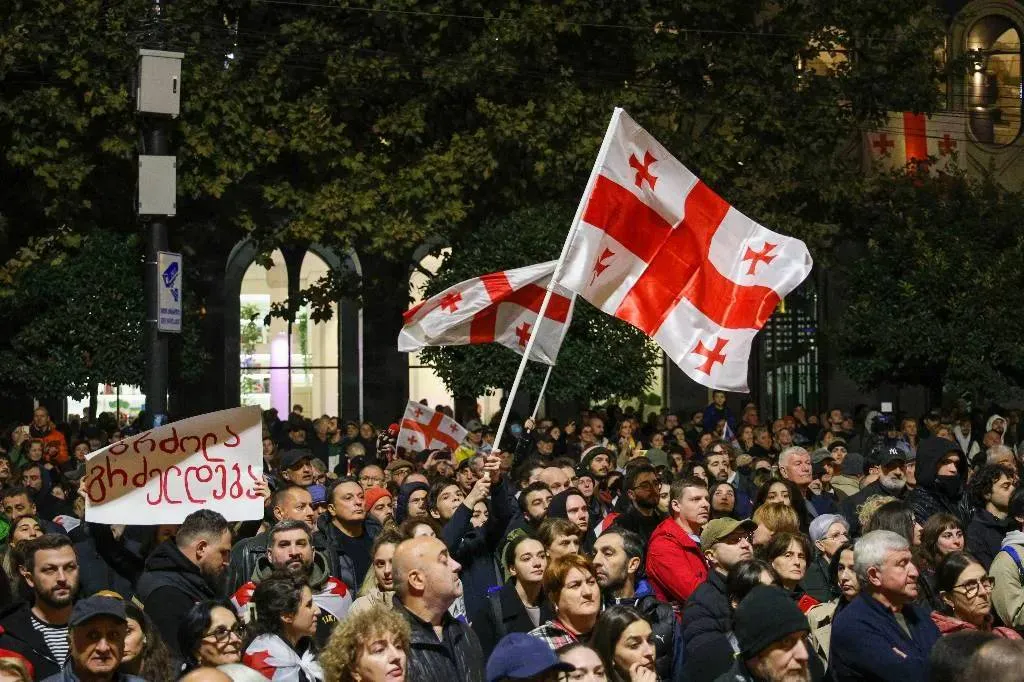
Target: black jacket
{"points": [[985, 537], [457, 657], [169, 588], [817, 580], [342, 565], [17, 634], [928, 498], [642, 525], [513, 616], [662, 619], [707, 622], [246, 554]]}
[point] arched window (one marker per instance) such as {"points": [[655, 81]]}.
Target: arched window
{"points": [[789, 352], [994, 87]]}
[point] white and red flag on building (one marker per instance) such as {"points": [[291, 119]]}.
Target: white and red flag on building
{"points": [[426, 429], [906, 137], [501, 307], [660, 250]]}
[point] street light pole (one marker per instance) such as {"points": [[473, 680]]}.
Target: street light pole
{"points": [[155, 377]]}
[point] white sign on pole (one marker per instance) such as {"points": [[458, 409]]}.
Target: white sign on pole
{"points": [[161, 476], [168, 267]]}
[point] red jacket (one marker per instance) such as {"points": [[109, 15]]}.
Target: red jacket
{"points": [[675, 563]]}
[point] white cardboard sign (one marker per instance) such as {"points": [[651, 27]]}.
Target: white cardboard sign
{"points": [[212, 461]]}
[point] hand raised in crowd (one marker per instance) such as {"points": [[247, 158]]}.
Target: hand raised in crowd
{"points": [[492, 465], [263, 488], [570, 428], [481, 489], [639, 672], [529, 424]]}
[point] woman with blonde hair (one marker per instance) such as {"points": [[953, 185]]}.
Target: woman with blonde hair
{"points": [[772, 518], [867, 511], [378, 588], [369, 646]]}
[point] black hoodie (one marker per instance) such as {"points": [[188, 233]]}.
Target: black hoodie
{"points": [[934, 493], [170, 586]]}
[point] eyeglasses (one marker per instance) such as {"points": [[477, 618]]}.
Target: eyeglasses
{"points": [[371, 479], [971, 588], [222, 633], [646, 485], [841, 535]]}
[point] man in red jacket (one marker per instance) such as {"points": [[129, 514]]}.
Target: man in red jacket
{"points": [[675, 563]]}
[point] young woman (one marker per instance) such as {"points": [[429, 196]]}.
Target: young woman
{"points": [[966, 593], [27, 528], [589, 667], [281, 643], [723, 500], [378, 589], [624, 641], [942, 534], [788, 554], [210, 635], [571, 584], [823, 615], [145, 654], [779, 490], [370, 646], [520, 605]]}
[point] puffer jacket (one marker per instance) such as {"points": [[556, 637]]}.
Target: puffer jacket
{"points": [[663, 623], [707, 625], [928, 498], [459, 658]]}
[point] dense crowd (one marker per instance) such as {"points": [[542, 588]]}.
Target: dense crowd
{"points": [[707, 545]]}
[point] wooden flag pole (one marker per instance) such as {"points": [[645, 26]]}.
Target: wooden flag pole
{"points": [[605, 144]]}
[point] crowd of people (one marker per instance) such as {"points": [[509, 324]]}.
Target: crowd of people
{"points": [[700, 546]]}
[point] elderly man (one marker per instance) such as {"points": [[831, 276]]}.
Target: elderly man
{"points": [[882, 635], [795, 465], [427, 584], [892, 481], [770, 631], [96, 634]]}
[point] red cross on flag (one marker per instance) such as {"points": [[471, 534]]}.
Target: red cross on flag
{"points": [[501, 307], [660, 250], [906, 136], [425, 429]]}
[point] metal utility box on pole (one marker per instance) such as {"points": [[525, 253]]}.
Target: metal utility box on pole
{"points": [[158, 99]]}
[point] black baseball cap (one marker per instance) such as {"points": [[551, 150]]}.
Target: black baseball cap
{"points": [[99, 604], [289, 458]]}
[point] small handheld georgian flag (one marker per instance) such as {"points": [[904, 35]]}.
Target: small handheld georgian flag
{"points": [[427, 429]]}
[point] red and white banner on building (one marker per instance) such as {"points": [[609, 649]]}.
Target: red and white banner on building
{"points": [[501, 307], [907, 137], [425, 429], [658, 249]]}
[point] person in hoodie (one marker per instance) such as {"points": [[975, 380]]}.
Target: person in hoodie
{"points": [[716, 412], [997, 424], [990, 490], [571, 505], [178, 574], [941, 470], [966, 438], [1007, 567], [290, 548]]}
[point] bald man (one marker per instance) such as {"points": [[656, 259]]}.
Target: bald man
{"points": [[427, 583]]}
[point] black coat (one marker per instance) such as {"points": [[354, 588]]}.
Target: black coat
{"points": [[457, 657], [514, 617], [985, 536], [817, 580], [245, 555], [707, 622], [171, 585], [662, 619], [17, 634], [928, 498]]}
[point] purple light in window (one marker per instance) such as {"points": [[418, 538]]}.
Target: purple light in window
{"points": [[279, 372]]}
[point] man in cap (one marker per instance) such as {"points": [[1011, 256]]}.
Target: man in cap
{"points": [[823, 470], [725, 542], [96, 633], [296, 467], [397, 470], [892, 481], [849, 468], [770, 631], [522, 657], [473, 443]]}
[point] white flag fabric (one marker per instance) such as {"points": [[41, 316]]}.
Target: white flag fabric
{"points": [[501, 307], [906, 137], [426, 429], [658, 249]]}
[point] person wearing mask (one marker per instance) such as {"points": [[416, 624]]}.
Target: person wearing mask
{"points": [[96, 634], [571, 584], [520, 605], [891, 482], [39, 631], [643, 490], [708, 615], [281, 640], [346, 532], [372, 646], [290, 550], [518, 656], [941, 470], [427, 581], [770, 633], [623, 640], [209, 635], [618, 564], [882, 635], [966, 593], [828, 533], [989, 490], [675, 564], [821, 616]]}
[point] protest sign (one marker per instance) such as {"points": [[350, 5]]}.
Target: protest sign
{"points": [[162, 475]]}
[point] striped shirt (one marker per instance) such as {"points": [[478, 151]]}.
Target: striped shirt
{"points": [[56, 638]]}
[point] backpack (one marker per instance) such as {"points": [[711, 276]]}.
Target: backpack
{"points": [[494, 599], [1016, 559]]}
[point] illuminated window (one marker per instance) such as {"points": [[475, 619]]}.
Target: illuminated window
{"points": [[994, 80]]}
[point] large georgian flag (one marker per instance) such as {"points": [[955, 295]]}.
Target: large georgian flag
{"points": [[427, 429], [501, 307], [906, 137], [658, 249]]}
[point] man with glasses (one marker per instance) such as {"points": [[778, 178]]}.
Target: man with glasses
{"points": [[882, 634], [371, 476], [643, 489], [708, 622]]}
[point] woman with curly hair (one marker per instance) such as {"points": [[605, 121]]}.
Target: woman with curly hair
{"points": [[370, 646]]}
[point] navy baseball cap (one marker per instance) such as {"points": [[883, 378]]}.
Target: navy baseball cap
{"points": [[519, 656]]}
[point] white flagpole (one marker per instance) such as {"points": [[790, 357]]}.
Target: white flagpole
{"points": [[540, 397], [601, 154]]}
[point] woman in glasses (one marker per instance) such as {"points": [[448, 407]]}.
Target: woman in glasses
{"points": [[210, 635], [966, 593], [828, 533]]}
